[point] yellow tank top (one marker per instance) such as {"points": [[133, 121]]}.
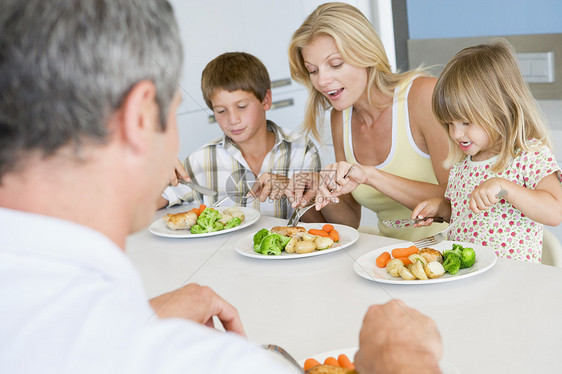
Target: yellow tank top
{"points": [[405, 160]]}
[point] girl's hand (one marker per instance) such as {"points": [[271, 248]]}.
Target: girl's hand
{"points": [[486, 195], [426, 209]]}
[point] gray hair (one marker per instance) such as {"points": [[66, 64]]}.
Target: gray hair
{"points": [[66, 66]]}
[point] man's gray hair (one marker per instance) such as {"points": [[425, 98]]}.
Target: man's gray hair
{"points": [[66, 66]]}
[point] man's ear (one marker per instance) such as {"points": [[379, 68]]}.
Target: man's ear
{"points": [[266, 102], [139, 115]]}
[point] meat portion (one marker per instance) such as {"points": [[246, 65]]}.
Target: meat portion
{"points": [[288, 230], [180, 221], [329, 369], [430, 255]]}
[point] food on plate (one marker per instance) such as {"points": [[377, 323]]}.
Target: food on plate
{"points": [[296, 240], [208, 221], [426, 263], [341, 365], [431, 255], [288, 230], [228, 214], [180, 221]]}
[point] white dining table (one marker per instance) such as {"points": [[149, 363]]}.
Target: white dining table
{"points": [[505, 320]]}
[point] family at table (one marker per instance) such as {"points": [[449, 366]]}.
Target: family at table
{"points": [[89, 152]]}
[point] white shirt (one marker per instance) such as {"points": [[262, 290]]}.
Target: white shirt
{"points": [[71, 302], [220, 166]]}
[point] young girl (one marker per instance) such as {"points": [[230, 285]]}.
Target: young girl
{"points": [[499, 143]]}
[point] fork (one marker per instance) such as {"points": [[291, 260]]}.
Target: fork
{"points": [[297, 214], [284, 353], [442, 235]]}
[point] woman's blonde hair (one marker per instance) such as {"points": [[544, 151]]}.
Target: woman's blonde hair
{"points": [[483, 85], [358, 44]]}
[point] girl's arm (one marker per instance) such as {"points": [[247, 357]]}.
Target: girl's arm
{"points": [[543, 204]]}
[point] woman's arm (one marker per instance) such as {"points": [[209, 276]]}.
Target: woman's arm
{"points": [[347, 211], [431, 138]]}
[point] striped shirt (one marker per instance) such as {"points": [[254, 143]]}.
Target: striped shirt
{"points": [[220, 166]]}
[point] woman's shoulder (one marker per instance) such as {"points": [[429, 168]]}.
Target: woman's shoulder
{"points": [[421, 90]]}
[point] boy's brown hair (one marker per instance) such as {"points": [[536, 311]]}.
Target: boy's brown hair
{"points": [[234, 71]]}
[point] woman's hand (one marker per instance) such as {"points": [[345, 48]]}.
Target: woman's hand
{"points": [[269, 185], [336, 180], [427, 210]]}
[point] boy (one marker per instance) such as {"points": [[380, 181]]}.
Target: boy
{"points": [[237, 88]]}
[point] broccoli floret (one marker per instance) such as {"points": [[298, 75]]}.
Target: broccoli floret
{"points": [[457, 250], [258, 237], [208, 220], [273, 244], [233, 222], [198, 229], [468, 257], [452, 263]]}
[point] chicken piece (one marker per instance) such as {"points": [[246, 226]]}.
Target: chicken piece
{"points": [[180, 221], [287, 230], [431, 255], [329, 369]]}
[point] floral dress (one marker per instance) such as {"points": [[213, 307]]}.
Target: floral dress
{"points": [[504, 228]]}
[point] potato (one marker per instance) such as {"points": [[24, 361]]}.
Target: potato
{"points": [[322, 242], [418, 269], [393, 267], [308, 237], [434, 269], [290, 247], [416, 257], [406, 274], [305, 246]]}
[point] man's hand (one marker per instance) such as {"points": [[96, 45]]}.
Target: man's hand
{"points": [[395, 338], [179, 172], [199, 304]]}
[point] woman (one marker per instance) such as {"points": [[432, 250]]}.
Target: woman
{"points": [[381, 122]]}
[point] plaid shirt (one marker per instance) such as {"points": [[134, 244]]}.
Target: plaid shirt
{"points": [[220, 166]]}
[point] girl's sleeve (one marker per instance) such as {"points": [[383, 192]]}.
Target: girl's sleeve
{"points": [[538, 164]]}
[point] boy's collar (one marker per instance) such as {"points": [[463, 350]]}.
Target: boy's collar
{"points": [[272, 127]]}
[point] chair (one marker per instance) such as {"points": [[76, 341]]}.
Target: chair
{"points": [[551, 249]]}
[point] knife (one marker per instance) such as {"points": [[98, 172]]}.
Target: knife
{"points": [[198, 188], [402, 223]]}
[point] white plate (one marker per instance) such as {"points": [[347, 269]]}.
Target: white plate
{"points": [[159, 228], [348, 236], [446, 366], [365, 265]]}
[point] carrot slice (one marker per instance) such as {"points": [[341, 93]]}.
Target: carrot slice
{"points": [[318, 232], [383, 259], [331, 361], [310, 363], [335, 235], [202, 208], [405, 260], [345, 362], [327, 227], [404, 252]]}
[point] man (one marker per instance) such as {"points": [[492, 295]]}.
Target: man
{"points": [[87, 105]]}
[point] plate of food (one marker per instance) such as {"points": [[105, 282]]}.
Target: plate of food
{"points": [[406, 264], [305, 240], [341, 362], [208, 222]]}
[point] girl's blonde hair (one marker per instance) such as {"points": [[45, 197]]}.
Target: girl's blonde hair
{"points": [[358, 44], [483, 85]]}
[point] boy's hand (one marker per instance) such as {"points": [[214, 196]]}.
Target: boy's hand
{"points": [[486, 195], [426, 209], [179, 173], [270, 185]]}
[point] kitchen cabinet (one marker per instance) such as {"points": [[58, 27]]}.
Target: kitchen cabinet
{"points": [[260, 27]]}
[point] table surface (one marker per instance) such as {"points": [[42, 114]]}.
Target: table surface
{"points": [[507, 319]]}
